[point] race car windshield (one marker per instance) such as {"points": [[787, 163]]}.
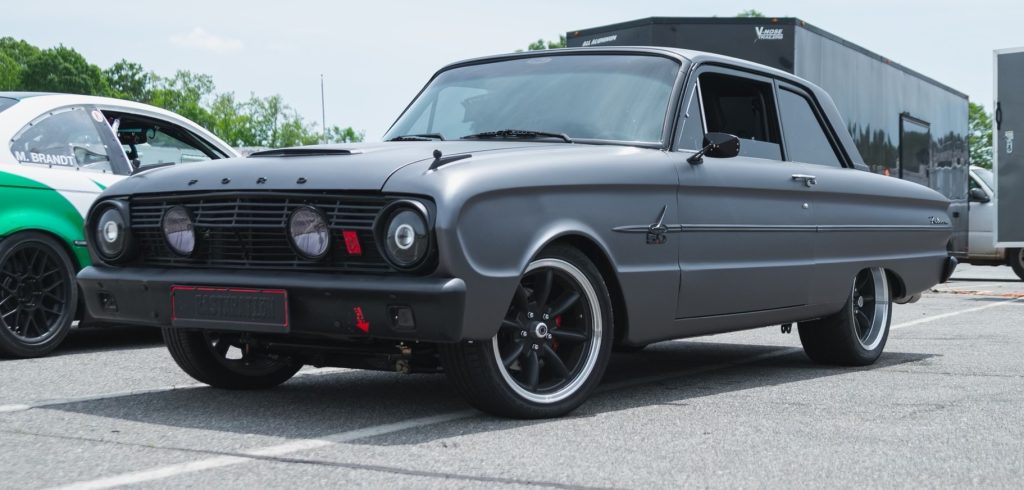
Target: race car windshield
{"points": [[6, 102], [585, 97]]}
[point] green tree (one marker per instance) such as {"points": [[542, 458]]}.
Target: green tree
{"points": [[128, 80], [336, 134], [750, 13], [979, 135], [541, 44], [62, 69], [10, 73], [186, 93]]}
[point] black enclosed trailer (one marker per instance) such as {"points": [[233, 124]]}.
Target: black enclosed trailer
{"points": [[904, 123]]}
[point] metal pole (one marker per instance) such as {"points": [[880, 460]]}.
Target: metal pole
{"points": [[323, 109]]}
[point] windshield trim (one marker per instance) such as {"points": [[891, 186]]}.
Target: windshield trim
{"points": [[671, 111]]}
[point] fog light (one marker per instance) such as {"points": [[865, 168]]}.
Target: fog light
{"points": [[402, 317]]}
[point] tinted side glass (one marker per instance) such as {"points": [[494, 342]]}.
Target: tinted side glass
{"points": [[162, 148], [5, 103], [64, 139], [805, 137], [744, 108]]}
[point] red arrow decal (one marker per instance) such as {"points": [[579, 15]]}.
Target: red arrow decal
{"points": [[361, 322]]}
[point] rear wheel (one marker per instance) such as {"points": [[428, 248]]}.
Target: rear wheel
{"points": [[552, 348], [38, 295], [856, 335], [222, 360], [1015, 256]]}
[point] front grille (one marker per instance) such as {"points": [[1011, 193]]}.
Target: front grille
{"points": [[234, 230]]}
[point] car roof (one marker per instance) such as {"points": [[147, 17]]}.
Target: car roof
{"points": [[23, 95]]}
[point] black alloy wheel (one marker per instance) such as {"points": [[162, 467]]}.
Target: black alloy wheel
{"points": [[855, 335], [551, 349], [38, 295], [546, 339]]}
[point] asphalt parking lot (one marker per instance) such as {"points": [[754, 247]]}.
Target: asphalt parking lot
{"points": [[942, 408]]}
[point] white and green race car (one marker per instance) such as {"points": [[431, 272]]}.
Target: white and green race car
{"points": [[63, 150]]}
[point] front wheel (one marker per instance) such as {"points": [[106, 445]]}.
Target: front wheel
{"points": [[222, 360], [38, 295], [856, 335], [552, 348], [1015, 256]]}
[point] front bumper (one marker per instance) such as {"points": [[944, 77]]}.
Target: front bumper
{"points": [[319, 305]]}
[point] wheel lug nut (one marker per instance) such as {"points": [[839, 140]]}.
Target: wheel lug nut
{"points": [[535, 347], [546, 316], [549, 336], [529, 315], [523, 333]]}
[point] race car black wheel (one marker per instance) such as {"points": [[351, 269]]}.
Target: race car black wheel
{"points": [[222, 360], [550, 351], [856, 335], [38, 295], [1015, 256]]}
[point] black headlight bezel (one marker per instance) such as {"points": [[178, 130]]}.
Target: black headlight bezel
{"points": [[291, 239], [93, 239], [380, 233], [195, 234]]}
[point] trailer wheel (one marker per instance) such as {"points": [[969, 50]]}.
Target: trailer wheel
{"points": [[1015, 256]]}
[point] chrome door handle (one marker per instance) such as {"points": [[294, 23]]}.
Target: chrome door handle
{"points": [[809, 180]]}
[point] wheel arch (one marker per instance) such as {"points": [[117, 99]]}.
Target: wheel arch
{"points": [[896, 284]]}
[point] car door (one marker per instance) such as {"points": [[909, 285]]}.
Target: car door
{"points": [[151, 139], [981, 239], [746, 227]]}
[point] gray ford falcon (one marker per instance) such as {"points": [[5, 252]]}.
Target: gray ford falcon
{"points": [[527, 215]]}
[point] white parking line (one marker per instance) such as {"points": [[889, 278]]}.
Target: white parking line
{"points": [[163, 472], [270, 451]]}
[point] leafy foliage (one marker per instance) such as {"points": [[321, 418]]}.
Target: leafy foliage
{"points": [[256, 121], [541, 44], [750, 13], [979, 135]]}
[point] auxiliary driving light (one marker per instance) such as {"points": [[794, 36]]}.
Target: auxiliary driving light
{"points": [[178, 231], [309, 233]]}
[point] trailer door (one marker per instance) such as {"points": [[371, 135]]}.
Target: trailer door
{"points": [[1008, 153]]}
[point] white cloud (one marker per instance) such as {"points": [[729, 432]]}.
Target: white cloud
{"points": [[199, 38]]}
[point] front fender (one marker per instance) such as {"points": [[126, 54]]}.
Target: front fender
{"points": [[27, 205]]}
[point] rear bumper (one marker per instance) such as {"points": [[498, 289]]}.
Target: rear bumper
{"points": [[319, 305]]}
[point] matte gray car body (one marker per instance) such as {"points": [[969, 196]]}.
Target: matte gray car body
{"points": [[746, 246]]}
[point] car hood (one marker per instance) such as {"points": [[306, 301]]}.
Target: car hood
{"points": [[366, 168]]}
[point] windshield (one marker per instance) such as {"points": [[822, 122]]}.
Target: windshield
{"points": [[601, 97], [986, 176], [6, 102]]}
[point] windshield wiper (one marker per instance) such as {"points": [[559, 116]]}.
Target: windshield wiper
{"points": [[517, 133], [419, 137]]}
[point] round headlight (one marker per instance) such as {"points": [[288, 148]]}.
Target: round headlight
{"points": [[110, 234], [178, 231], [309, 233], [406, 241]]}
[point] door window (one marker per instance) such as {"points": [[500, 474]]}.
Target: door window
{"points": [[157, 148], [805, 137], [742, 107], [68, 138]]}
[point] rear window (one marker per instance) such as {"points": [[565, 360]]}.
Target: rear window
{"points": [[5, 103]]}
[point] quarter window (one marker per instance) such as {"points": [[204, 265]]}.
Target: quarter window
{"points": [[744, 108], [64, 139], [805, 138]]}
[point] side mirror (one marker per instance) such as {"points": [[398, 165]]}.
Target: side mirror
{"points": [[978, 195], [716, 145]]}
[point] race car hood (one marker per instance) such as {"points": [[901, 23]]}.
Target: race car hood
{"points": [[355, 167]]}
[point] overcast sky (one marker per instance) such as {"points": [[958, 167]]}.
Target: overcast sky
{"points": [[376, 55]]}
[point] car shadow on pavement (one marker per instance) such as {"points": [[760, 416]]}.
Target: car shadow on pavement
{"points": [[320, 405], [95, 339]]}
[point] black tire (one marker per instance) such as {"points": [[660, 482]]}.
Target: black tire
{"points": [[38, 295], [856, 335], [1015, 257], [496, 376], [204, 356]]}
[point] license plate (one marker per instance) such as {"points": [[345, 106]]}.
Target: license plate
{"points": [[263, 310]]}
